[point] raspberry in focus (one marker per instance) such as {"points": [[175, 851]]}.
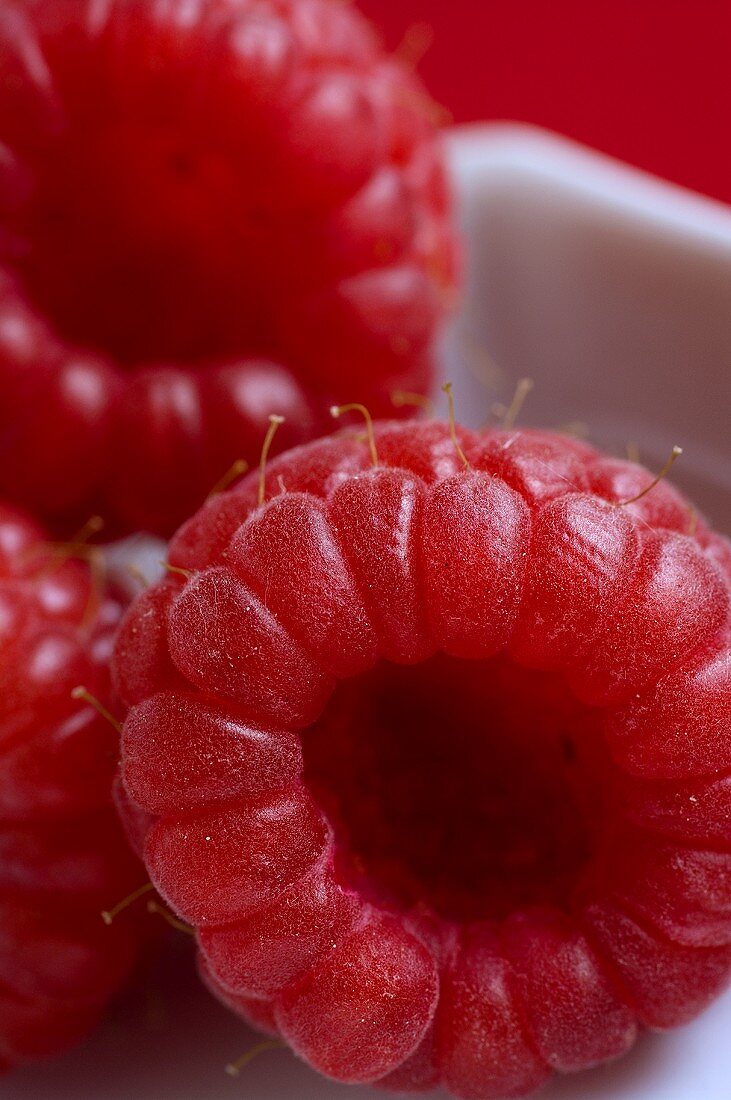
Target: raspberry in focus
{"points": [[208, 213], [435, 752], [63, 858]]}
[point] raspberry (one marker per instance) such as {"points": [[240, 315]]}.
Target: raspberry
{"points": [[206, 213], [434, 754], [62, 854]]}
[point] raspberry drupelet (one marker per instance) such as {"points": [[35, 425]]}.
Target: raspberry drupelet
{"points": [[207, 210], [63, 857], [433, 737]]}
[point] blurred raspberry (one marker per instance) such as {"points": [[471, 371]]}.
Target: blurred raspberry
{"points": [[208, 213], [63, 858]]}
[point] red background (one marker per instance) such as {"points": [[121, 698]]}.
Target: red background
{"points": [[646, 80]]}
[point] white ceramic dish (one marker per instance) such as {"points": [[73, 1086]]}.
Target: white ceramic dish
{"points": [[613, 292], [607, 287]]}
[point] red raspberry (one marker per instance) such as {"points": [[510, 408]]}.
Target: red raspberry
{"points": [[62, 855], [207, 211], [437, 755]]}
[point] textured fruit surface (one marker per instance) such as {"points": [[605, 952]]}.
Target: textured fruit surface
{"points": [[435, 753], [209, 212], [62, 854]]}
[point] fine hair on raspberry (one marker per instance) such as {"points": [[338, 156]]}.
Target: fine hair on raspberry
{"points": [[433, 744], [63, 856], [207, 210]]}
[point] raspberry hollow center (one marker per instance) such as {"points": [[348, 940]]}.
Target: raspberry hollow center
{"points": [[178, 181], [473, 788], [139, 246]]}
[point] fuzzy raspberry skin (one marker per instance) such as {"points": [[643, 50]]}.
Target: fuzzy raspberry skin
{"points": [[63, 857], [373, 618], [208, 214]]}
